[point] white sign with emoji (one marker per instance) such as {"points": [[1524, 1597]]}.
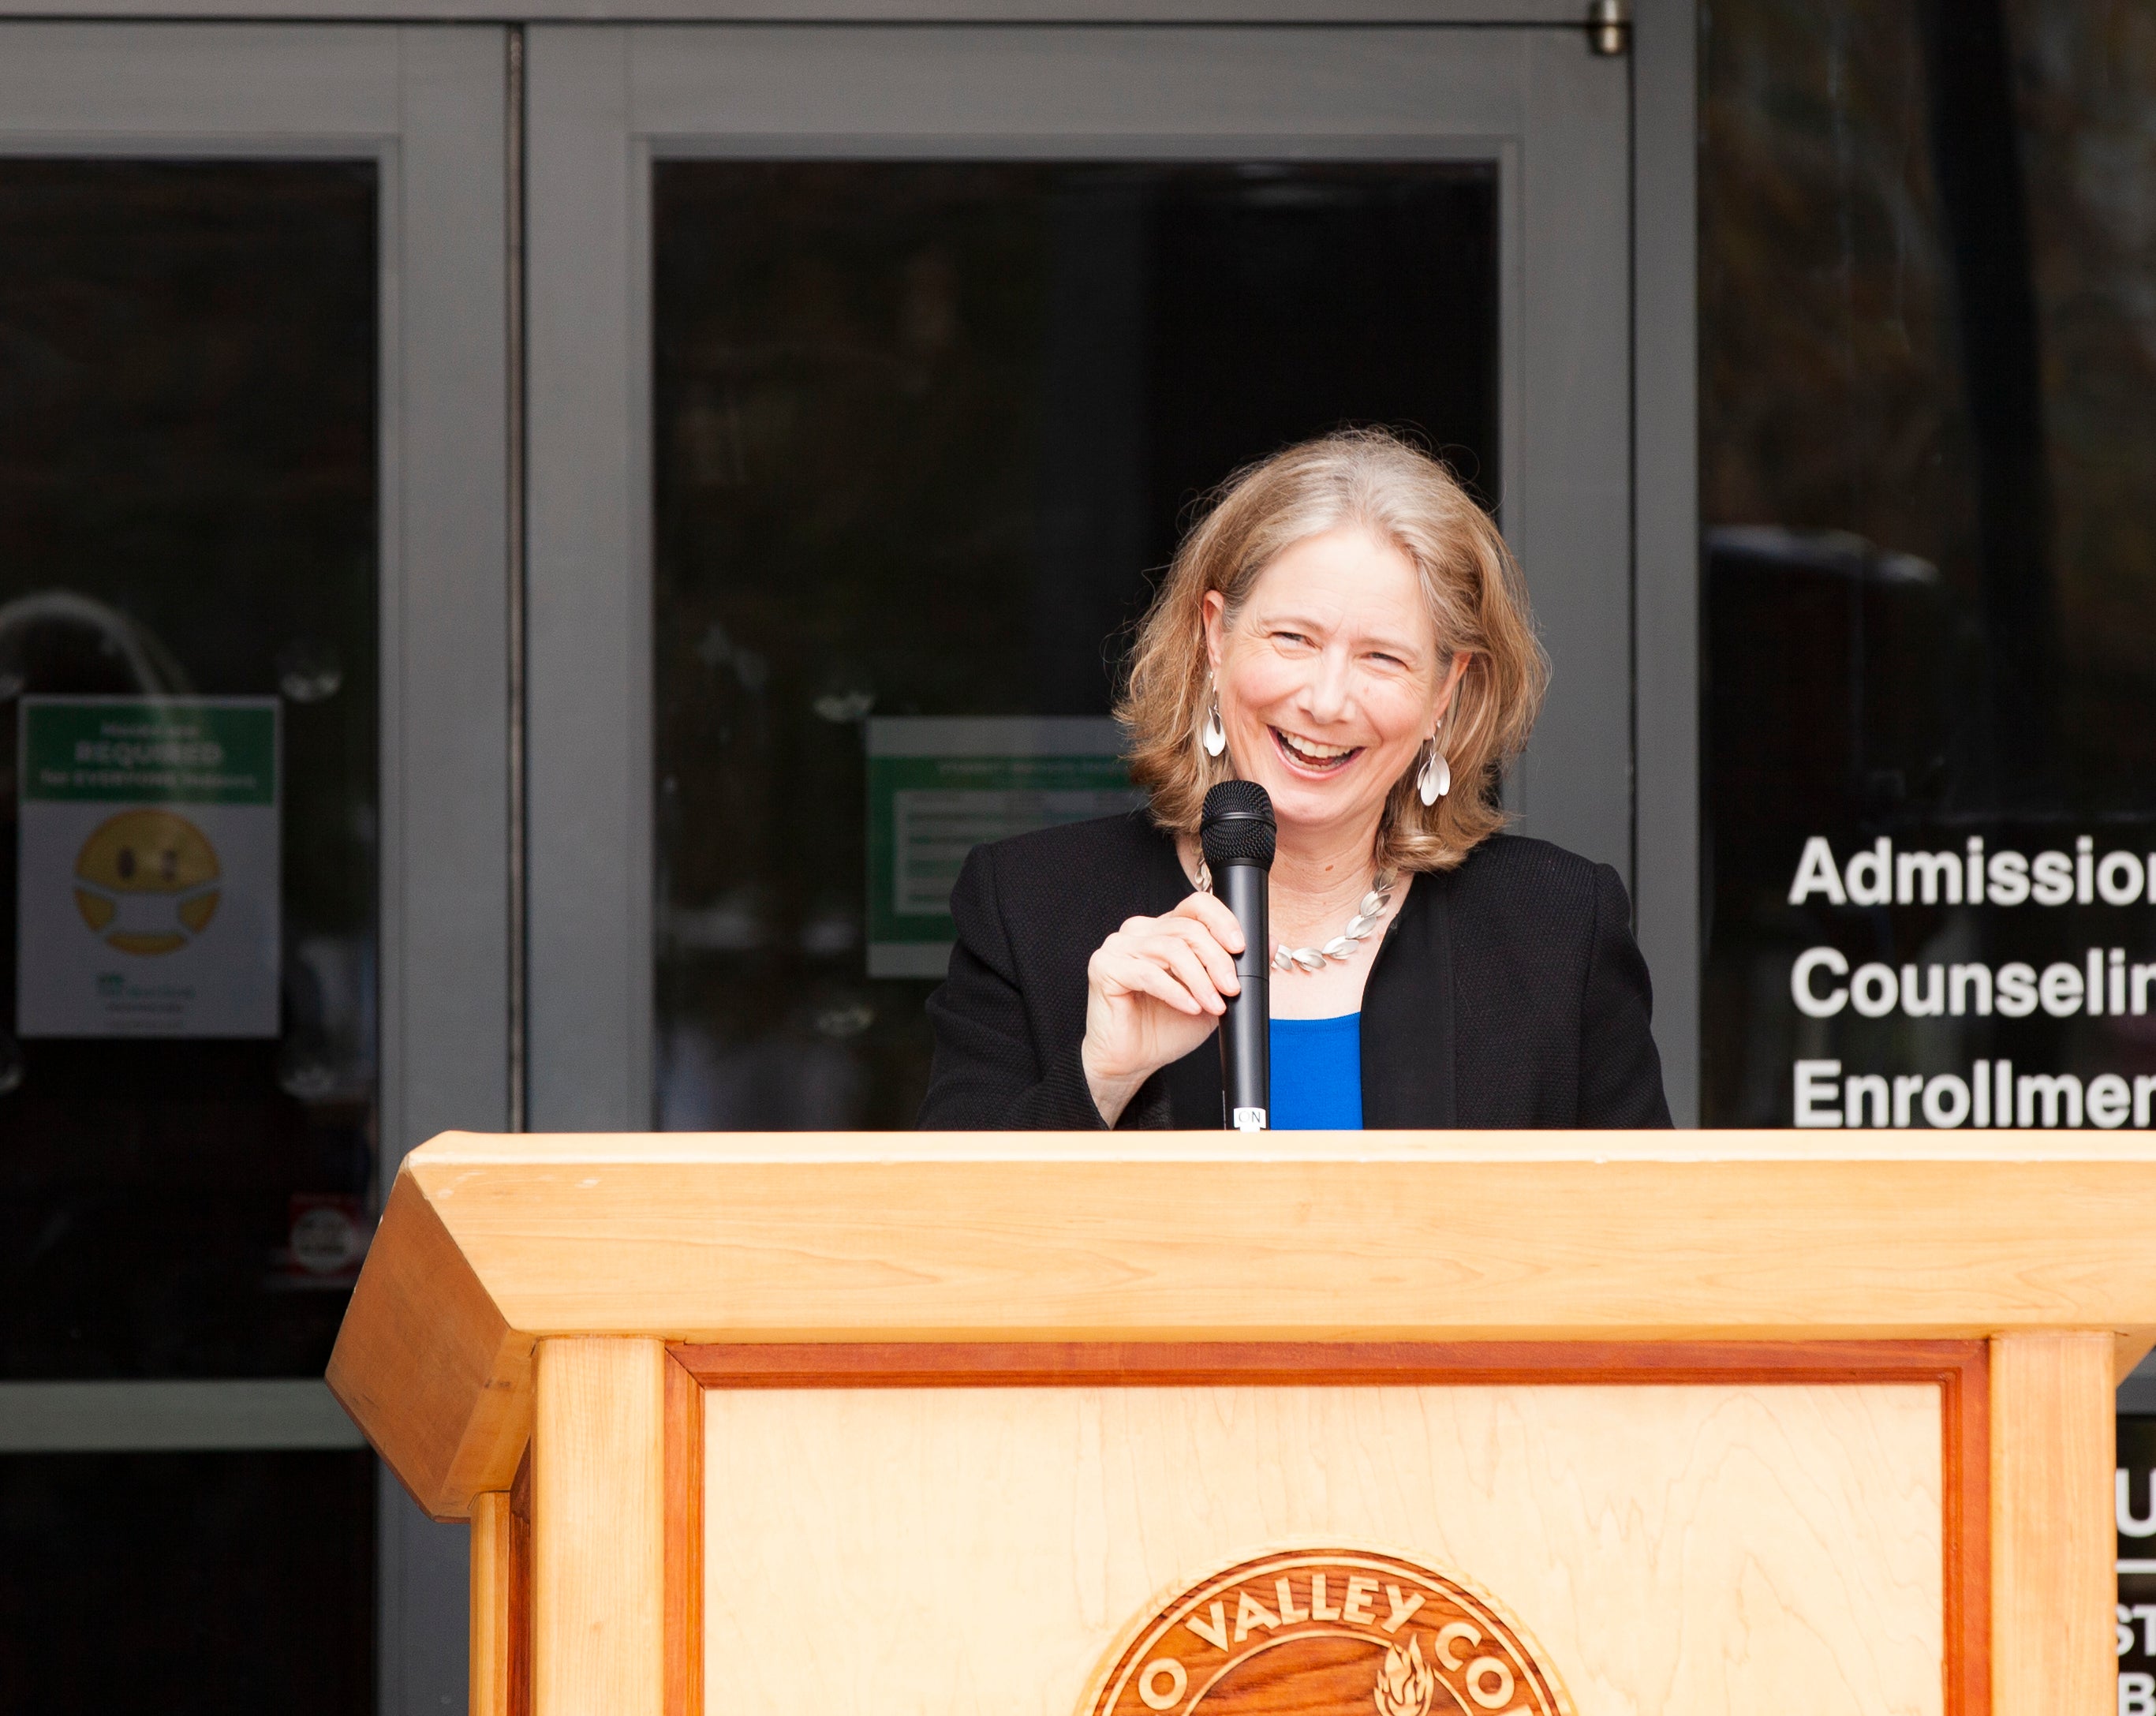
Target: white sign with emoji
{"points": [[147, 893]]}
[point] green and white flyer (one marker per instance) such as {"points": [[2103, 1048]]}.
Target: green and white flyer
{"points": [[939, 785], [146, 892]]}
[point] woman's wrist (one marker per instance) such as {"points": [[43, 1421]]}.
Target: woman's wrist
{"points": [[1111, 1093]]}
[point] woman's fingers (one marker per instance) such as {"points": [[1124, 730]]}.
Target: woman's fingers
{"points": [[1152, 939], [1219, 962], [1183, 959], [1168, 939], [1178, 945], [1135, 974], [1208, 910]]}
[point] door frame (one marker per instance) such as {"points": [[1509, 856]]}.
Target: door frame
{"points": [[1663, 56], [451, 924], [1667, 904], [427, 106], [606, 101]]}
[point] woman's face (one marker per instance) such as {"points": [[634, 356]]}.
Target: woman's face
{"points": [[1330, 679]]}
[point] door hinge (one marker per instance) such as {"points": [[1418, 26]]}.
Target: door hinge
{"points": [[1609, 26]]}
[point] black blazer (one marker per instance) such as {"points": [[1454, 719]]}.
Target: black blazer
{"points": [[1509, 992]]}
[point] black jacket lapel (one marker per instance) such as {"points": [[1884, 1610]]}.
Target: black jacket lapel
{"points": [[1408, 1016]]}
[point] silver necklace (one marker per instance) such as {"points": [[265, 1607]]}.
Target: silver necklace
{"points": [[1369, 913]]}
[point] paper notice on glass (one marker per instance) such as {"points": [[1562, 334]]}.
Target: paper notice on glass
{"points": [[939, 786], [147, 889]]}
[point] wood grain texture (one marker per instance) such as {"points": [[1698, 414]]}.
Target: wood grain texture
{"points": [[598, 1509], [606, 1235], [520, 1589], [1959, 1370], [428, 1366], [1069, 1363], [684, 1542], [1767, 1548], [2052, 1541], [1965, 1505], [1510, 1144], [492, 1577], [489, 1242]]}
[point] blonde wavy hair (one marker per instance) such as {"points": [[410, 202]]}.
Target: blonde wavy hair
{"points": [[1477, 601]]}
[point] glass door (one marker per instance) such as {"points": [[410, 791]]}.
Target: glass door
{"points": [[873, 372], [253, 726]]}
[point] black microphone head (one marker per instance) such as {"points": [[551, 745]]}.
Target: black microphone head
{"points": [[1236, 825]]}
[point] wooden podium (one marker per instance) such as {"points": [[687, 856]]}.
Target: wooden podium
{"points": [[1600, 1423]]}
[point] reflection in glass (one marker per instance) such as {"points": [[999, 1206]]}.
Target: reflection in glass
{"points": [[1928, 354], [922, 430], [2135, 1512], [184, 1582], [187, 507]]}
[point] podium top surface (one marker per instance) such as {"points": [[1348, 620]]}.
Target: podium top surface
{"points": [[478, 1149], [491, 1243]]}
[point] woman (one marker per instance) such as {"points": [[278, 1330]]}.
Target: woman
{"points": [[1346, 629]]}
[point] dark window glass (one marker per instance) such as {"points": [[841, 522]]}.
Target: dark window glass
{"points": [[176, 1583], [2135, 1625], [923, 432], [1928, 356], [187, 507]]}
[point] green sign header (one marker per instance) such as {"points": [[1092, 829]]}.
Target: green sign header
{"points": [[166, 751]]}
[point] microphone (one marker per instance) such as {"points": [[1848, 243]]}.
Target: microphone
{"points": [[1236, 833]]}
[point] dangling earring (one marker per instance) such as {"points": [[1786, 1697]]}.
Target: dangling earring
{"points": [[1213, 735], [1435, 779]]}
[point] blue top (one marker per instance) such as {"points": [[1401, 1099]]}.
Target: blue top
{"points": [[1317, 1074]]}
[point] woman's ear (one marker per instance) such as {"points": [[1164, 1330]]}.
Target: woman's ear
{"points": [[1213, 618], [1456, 670]]}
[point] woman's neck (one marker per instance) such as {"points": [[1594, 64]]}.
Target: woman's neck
{"points": [[1317, 880]]}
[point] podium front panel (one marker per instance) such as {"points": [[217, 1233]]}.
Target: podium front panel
{"points": [[1768, 1529]]}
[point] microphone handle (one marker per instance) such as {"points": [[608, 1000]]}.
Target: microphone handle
{"points": [[1245, 1040]]}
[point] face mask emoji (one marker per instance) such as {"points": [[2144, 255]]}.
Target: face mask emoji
{"points": [[147, 882]]}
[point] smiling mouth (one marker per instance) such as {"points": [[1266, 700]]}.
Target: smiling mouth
{"points": [[1308, 754]]}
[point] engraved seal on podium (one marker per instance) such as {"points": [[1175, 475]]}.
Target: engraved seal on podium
{"points": [[1330, 1632]]}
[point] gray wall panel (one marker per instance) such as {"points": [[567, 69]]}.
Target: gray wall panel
{"points": [[1188, 92], [1666, 361], [241, 86], [446, 714], [280, 1412], [422, 1607], [446, 830], [1568, 503], [588, 590], [1513, 12]]}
